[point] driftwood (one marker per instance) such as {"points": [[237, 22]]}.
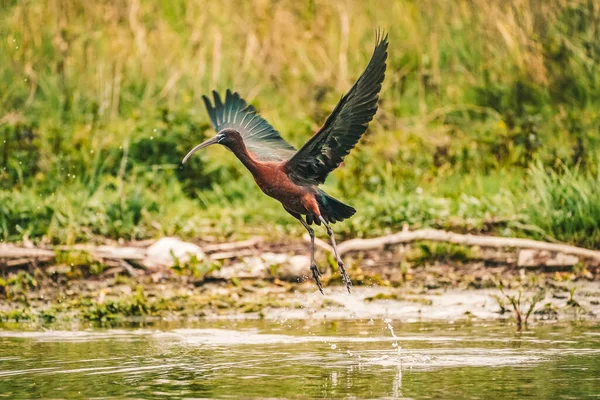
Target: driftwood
{"points": [[121, 256], [435, 235], [7, 251], [140, 256], [110, 252]]}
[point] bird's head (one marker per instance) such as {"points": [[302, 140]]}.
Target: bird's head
{"points": [[227, 138]]}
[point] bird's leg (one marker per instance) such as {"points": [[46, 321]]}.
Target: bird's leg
{"points": [[340, 263], [313, 265]]}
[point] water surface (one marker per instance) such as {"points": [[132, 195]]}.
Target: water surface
{"points": [[324, 358]]}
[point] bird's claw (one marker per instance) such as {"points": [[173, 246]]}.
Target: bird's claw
{"points": [[316, 274], [344, 274]]}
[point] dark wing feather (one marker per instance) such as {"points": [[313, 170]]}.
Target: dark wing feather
{"points": [[260, 138], [344, 127]]}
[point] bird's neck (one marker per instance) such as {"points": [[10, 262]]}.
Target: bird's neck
{"points": [[241, 152]]}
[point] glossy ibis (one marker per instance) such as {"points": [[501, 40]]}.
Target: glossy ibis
{"points": [[292, 176]]}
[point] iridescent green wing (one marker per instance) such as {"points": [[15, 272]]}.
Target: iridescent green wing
{"points": [[326, 149], [260, 138]]}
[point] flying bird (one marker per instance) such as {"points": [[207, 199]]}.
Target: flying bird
{"points": [[293, 176]]}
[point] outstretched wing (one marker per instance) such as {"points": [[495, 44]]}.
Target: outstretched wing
{"points": [[344, 127], [260, 138]]}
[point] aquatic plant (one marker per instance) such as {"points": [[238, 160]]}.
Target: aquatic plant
{"points": [[522, 307]]}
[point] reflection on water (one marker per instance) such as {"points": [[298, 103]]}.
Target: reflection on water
{"points": [[303, 359]]}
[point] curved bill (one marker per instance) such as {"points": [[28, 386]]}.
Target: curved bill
{"points": [[200, 146]]}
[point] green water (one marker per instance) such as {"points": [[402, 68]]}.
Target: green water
{"points": [[304, 359]]}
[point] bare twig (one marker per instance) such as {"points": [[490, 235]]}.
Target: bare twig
{"points": [[224, 255], [19, 262], [223, 247], [131, 271]]}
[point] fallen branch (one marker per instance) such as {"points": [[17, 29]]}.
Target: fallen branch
{"points": [[8, 251], [21, 262], [150, 256], [224, 255], [228, 247], [131, 271], [111, 252], [435, 235], [153, 256]]}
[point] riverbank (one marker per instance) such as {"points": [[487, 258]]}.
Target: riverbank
{"points": [[423, 281]]}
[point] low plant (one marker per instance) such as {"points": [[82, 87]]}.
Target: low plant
{"points": [[523, 307]]}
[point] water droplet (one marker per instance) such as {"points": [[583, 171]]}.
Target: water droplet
{"points": [[391, 329], [333, 347]]}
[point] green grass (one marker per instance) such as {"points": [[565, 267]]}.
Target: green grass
{"points": [[566, 204], [489, 116]]}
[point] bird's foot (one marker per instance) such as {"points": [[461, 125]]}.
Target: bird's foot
{"points": [[316, 274], [344, 274]]}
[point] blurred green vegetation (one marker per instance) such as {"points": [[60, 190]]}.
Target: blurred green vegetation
{"points": [[489, 118]]}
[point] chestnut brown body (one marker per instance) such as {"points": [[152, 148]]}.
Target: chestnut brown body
{"points": [[271, 178]]}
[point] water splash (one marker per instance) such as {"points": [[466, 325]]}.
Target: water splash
{"points": [[388, 323]]}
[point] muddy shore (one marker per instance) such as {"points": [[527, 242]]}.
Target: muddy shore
{"points": [[408, 283]]}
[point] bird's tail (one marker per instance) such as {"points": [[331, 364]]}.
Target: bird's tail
{"points": [[333, 210]]}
